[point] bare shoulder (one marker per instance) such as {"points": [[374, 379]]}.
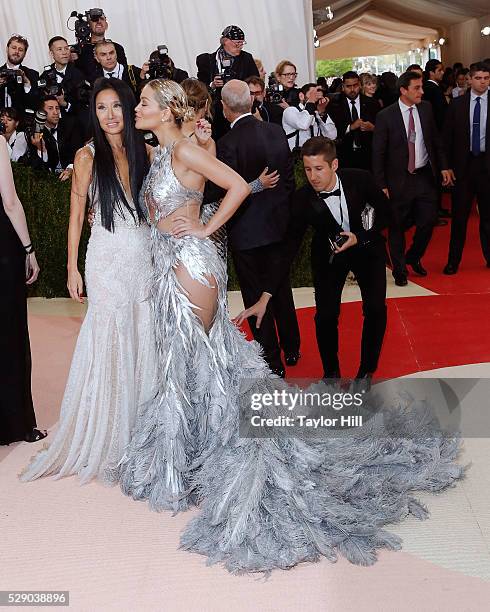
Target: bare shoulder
{"points": [[186, 151], [84, 158]]}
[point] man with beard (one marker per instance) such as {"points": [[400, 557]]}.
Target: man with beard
{"points": [[20, 92]]}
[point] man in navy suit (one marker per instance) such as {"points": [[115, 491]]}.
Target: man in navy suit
{"points": [[467, 142]]}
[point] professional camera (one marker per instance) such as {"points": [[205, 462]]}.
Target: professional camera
{"points": [[2, 128], [11, 75], [274, 91], [82, 30], [34, 122], [227, 73], [161, 66], [49, 84]]}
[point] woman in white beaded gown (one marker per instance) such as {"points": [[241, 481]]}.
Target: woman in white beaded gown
{"points": [[112, 371]]}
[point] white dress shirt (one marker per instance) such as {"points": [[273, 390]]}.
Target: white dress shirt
{"points": [[117, 72], [338, 206], [483, 117], [238, 119], [421, 155], [16, 145], [299, 119]]}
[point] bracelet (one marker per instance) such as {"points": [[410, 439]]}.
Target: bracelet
{"points": [[28, 248]]}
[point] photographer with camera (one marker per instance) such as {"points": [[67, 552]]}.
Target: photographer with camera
{"points": [[62, 78], [161, 66], [16, 141], [18, 84], [90, 31], [282, 90], [58, 141], [308, 118], [347, 211], [228, 62]]}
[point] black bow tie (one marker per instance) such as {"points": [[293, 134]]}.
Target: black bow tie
{"points": [[328, 194]]}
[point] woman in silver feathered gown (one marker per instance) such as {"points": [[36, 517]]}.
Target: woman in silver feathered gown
{"points": [[264, 503]]}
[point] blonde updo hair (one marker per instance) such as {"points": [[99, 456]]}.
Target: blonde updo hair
{"points": [[170, 94]]}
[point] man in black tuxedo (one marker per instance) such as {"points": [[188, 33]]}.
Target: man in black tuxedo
{"points": [[467, 141], [109, 67], [21, 92], [408, 157], [59, 141], [86, 61], [346, 204], [354, 115], [68, 76], [257, 230], [433, 92], [229, 61]]}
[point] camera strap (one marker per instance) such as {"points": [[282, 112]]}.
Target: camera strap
{"points": [[132, 78], [291, 135]]}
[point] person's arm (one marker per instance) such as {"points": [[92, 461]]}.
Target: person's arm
{"points": [[14, 210], [79, 188], [298, 120], [328, 128], [376, 198], [201, 162]]}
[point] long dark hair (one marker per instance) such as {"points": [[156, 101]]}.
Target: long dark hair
{"points": [[106, 181]]}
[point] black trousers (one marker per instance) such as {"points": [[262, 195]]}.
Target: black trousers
{"points": [[475, 183], [416, 206], [369, 265], [253, 268]]}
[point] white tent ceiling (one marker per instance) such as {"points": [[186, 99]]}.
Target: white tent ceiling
{"points": [[376, 27]]}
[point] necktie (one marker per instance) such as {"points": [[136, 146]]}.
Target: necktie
{"points": [[411, 142], [355, 117], [110, 75], [327, 194], [475, 137], [53, 130]]}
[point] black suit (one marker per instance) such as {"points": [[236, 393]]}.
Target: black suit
{"points": [[472, 178], [207, 68], [19, 99], [354, 147], [132, 78], [435, 96], [72, 79], [257, 230], [413, 197], [63, 148], [367, 260]]}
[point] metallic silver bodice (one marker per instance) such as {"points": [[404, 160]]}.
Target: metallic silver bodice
{"points": [[162, 193]]}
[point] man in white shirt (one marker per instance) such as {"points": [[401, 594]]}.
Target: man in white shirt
{"points": [[309, 118], [408, 163], [110, 68]]}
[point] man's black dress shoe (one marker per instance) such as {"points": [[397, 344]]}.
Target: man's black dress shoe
{"points": [[441, 222], [362, 382], [444, 213], [450, 269], [400, 280], [291, 359], [417, 267]]}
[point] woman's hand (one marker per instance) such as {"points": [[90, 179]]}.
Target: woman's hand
{"points": [[32, 268], [75, 285], [183, 226], [202, 132], [257, 310], [269, 181]]}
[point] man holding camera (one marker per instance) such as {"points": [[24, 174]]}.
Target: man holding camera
{"points": [[347, 211], [309, 118], [62, 78], [228, 62], [59, 141], [86, 61], [18, 84], [161, 66]]}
